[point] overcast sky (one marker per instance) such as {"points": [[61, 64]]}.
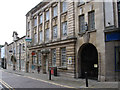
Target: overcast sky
{"points": [[12, 18]]}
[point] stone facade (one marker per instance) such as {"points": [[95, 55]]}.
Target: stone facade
{"points": [[85, 51], [17, 49]]}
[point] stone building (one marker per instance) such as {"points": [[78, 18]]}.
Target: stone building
{"points": [[76, 37], [16, 50]]}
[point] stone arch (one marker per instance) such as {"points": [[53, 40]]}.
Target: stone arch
{"points": [[88, 61]]}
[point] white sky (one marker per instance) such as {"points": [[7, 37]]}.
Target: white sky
{"points": [[12, 18]]}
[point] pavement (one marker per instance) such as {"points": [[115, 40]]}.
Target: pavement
{"points": [[67, 82]]}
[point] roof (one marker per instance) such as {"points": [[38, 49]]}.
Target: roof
{"points": [[38, 6]]}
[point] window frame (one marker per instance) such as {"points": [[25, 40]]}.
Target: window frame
{"points": [[35, 22], [41, 19], [53, 58], [63, 34], [55, 11], [83, 23], [35, 38], [62, 56], [47, 15], [47, 36], [39, 58], [64, 6], [55, 28], [40, 36], [90, 20]]}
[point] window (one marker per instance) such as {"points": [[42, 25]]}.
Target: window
{"points": [[40, 19], [117, 58], [91, 20], [81, 2], [63, 57], [35, 38], [54, 57], [40, 36], [39, 58], [23, 47], [64, 29], [54, 32], [47, 15], [35, 21], [64, 6], [46, 34], [82, 23], [28, 25], [119, 13], [55, 11]]}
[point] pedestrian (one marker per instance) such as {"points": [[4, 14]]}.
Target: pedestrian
{"points": [[38, 69]]}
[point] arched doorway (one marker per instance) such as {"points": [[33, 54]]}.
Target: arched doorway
{"points": [[88, 57]]}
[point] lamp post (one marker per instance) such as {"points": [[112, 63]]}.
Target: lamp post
{"points": [[19, 56]]}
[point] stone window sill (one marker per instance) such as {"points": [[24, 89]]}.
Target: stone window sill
{"points": [[82, 33]]}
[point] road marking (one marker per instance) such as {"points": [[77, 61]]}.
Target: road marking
{"points": [[50, 82], [46, 81], [6, 85]]}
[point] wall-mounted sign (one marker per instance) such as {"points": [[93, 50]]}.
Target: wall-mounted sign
{"points": [[28, 39], [69, 60], [112, 36]]}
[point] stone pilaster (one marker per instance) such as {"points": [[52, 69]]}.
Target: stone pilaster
{"points": [[71, 19], [59, 20]]}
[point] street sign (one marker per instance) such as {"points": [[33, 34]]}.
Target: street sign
{"points": [[28, 39]]}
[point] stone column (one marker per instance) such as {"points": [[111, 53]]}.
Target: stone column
{"points": [[59, 21], [37, 28], [71, 19], [43, 27], [50, 23]]}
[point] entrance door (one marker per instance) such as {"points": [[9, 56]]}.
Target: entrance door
{"points": [[89, 61], [45, 63]]}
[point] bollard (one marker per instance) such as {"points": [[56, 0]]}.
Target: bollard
{"points": [[50, 74], [86, 78]]}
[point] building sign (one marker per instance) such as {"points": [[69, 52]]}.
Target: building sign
{"points": [[33, 53], [27, 39], [112, 36], [69, 60]]}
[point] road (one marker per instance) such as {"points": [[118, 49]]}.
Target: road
{"points": [[14, 81]]}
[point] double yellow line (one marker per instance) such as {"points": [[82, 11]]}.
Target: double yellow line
{"points": [[6, 85]]}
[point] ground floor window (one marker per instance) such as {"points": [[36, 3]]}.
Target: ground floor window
{"points": [[117, 58], [63, 57], [39, 58], [53, 57]]}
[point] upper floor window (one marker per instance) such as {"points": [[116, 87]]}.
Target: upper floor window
{"points": [[41, 19], [81, 2], [63, 57], [82, 23], [54, 57], [46, 34], [54, 32], [91, 20], [35, 38], [55, 11], [40, 36], [64, 29], [35, 21], [47, 15], [28, 25], [119, 13], [64, 6]]}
